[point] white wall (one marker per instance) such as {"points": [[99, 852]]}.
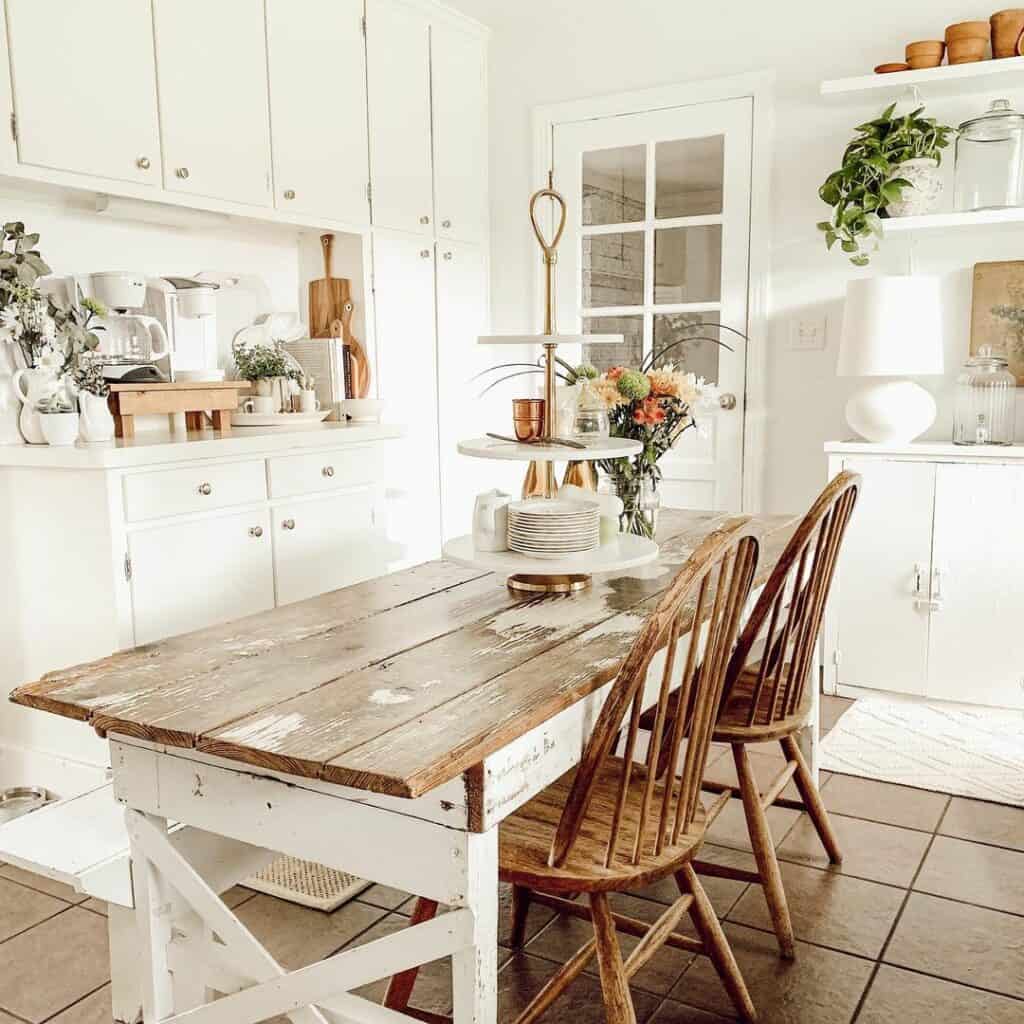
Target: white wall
{"points": [[543, 52]]}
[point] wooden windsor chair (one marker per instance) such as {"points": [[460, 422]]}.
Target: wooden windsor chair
{"points": [[611, 824], [766, 696]]}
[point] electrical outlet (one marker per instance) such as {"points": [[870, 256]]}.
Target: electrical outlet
{"points": [[807, 334]]}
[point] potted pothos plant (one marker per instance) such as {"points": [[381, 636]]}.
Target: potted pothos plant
{"points": [[890, 169]]}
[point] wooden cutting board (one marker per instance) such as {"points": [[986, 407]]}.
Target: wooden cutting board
{"points": [[327, 295]]}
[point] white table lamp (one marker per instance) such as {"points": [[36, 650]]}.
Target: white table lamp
{"points": [[892, 327]]}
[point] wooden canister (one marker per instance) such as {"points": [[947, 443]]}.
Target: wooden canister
{"points": [[1007, 27]]}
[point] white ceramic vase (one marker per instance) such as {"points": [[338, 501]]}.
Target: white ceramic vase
{"points": [[96, 423], [926, 188], [59, 428], [31, 386], [10, 403]]}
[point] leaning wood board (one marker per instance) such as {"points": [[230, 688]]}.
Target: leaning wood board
{"points": [[396, 685]]}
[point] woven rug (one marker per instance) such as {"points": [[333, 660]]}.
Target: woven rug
{"points": [[973, 752], [306, 883]]}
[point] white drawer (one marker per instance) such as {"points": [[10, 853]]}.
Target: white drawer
{"points": [[171, 492], [322, 471]]}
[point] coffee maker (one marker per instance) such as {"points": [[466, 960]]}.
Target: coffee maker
{"points": [[187, 309]]}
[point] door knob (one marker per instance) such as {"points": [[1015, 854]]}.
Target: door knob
{"points": [[289, 193], [727, 401], [327, 471], [289, 524], [448, 256], [446, 223], [143, 163], [424, 220], [181, 172], [205, 489], [255, 531], [424, 254]]}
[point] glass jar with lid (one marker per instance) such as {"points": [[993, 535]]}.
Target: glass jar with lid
{"points": [[985, 396], [990, 160]]}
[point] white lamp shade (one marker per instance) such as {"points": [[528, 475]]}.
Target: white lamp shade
{"points": [[892, 327]]}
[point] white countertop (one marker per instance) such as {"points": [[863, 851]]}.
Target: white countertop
{"points": [[156, 448], [933, 450]]}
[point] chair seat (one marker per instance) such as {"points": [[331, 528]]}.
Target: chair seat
{"points": [[525, 838], [732, 726]]}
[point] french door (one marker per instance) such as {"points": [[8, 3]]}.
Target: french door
{"points": [[657, 244]]}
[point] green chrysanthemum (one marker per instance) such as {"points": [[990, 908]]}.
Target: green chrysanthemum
{"points": [[586, 371], [634, 385]]}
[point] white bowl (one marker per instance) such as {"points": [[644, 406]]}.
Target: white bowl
{"points": [[362, 410]]}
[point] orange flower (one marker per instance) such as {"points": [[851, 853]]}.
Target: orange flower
{"points": [[615, 372]]}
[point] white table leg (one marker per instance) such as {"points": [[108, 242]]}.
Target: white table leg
{"points": [[125, 964], [475, 969]]}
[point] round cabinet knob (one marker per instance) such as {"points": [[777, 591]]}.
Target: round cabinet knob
{"points": [[289, 193], [289, 524], [181, 172], [205, 489], [143, 163], [424, 220], [327, 471], [255, 531], [448, 256], [446, 223], [424, 254], [727, 401]]}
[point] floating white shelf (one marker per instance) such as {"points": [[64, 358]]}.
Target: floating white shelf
{"points": [[625, 552], [606, 448], [1008, 72], [558, 339], [949, 221]]}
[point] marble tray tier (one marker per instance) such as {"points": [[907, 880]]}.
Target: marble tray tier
{"points": [[606, 448], [625, 552]]}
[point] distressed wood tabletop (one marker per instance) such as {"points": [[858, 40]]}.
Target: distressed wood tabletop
{"points": [[396, 685]]}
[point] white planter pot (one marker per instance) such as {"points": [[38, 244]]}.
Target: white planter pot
{"points": [[96, 423], [59, 428], [32, 386], [925, 193]]}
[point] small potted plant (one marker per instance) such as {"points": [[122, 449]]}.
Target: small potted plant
{"points": [[263, 364], [96, 423], [58, 419], [890, 169]]}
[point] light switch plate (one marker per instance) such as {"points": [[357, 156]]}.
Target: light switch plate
{"points": [[808, 333]]}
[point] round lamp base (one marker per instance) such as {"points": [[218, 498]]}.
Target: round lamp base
{"points": [[892, 412]]}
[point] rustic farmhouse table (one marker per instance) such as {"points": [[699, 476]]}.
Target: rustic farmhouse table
{"points": [[385, 730]]}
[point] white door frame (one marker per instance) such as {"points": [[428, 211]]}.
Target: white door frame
{"points": [[760, 88]]}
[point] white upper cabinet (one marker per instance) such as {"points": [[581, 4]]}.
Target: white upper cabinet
{"points": [[398, 77], [318, 108], [459, 91], [214, 109], [85, 87]]}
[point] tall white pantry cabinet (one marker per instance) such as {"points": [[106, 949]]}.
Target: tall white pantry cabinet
{"points": [[929, 593]]}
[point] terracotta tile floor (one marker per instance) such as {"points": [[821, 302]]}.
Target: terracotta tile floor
{"points": [[923, 924]]}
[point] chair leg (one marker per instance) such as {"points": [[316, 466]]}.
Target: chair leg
{"points": [[520, 908], [401, 985], [764, 852], [705, 920], [617, 1000], [812, 799]]}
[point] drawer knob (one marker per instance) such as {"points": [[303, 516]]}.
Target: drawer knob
{"points": [[424, 220], [205, 489], [143, 163], [446, 223], [289, 193], [448, 256], [327, 471], [255, 531], [181, 172], [424, 254], [289, 524]]}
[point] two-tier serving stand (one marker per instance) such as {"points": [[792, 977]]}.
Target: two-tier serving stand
{"points": [[572, 572]]}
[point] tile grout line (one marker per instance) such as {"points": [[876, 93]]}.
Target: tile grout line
{"points": [[75, 1002], [36, 924]]}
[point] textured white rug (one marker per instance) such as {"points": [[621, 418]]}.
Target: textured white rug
{"points": [[974, 752]]}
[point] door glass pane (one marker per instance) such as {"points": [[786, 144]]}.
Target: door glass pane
{"points": [[613, 269], [614, 185], [688, 264], [680, 339], [629, 353], [688, 181]]}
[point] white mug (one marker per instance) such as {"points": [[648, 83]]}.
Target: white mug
{"points": [[261, 404], [490, 521], [307, 401]]}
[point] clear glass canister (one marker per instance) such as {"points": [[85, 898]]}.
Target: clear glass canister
{"points": [[990, 160], [985, 395]]}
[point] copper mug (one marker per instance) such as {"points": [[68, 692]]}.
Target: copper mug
{"points": [[528, 418]]}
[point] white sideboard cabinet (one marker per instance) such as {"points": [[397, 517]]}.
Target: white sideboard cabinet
{"points": [[929, 591]]}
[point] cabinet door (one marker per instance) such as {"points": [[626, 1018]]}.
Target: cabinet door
{"points": [[214, 115], [318, 108], [198, 573], [976, 649], [327, 543], [398, 77], [85, 87], [883, 629], [459, 91], [403, 271]]}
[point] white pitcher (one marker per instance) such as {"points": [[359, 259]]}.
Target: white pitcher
{"points": [[31, 386], [95, 421], [490, 521]]}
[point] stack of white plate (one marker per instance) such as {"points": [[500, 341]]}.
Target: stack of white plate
{"points": [[553, 527]]}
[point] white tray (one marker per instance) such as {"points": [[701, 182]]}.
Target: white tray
{"points": [[606, 448], [278, 419], [625, 552]]}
